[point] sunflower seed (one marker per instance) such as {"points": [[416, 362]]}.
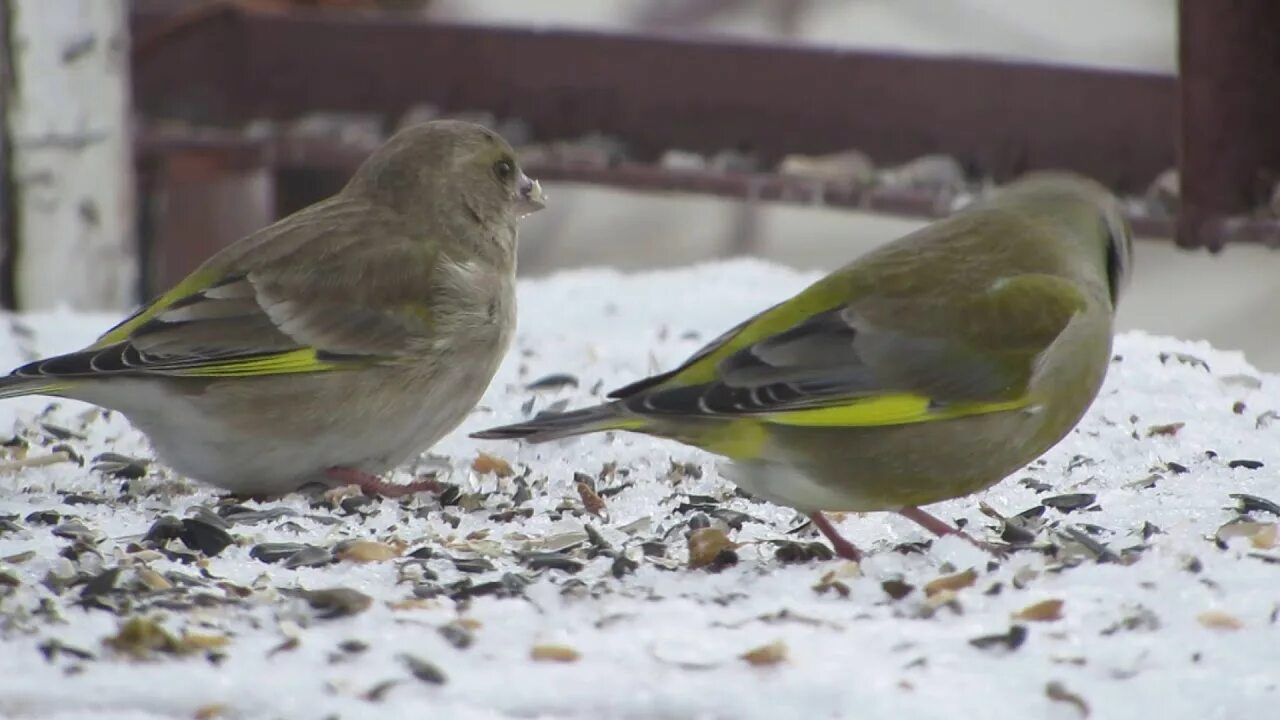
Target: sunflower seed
{"points": [[1253, 503], [555, 381], [423, 670], [1070, 502], [1011, 640]]}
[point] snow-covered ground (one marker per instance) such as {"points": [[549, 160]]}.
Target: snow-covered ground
{"points": [[504, 604]]}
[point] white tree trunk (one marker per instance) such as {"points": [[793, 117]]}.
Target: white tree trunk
{"points": [[67, 117]]}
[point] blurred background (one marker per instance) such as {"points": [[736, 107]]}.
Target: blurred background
{"points": [[141, 136]]}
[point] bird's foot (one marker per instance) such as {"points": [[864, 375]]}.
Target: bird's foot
{"points": [[843, 548], [374, 485], [943, 529]]}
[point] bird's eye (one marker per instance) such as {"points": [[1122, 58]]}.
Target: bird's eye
{"points": [[504, 170]]}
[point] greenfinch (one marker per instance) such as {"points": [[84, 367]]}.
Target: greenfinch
{"points": [[335, 344], [928, 369]]}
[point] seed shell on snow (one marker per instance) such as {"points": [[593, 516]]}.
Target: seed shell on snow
{"points": [[1127, 548]]}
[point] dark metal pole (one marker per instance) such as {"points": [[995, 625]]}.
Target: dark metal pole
{"points": [[1229, 146]]}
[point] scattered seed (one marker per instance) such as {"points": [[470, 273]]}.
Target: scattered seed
{"points": [[706, 545], [1176, 468], [1057, 692], [1184, 359], [1246, 464], [485, 464], [1253, 503], [1011, 640], [555, 381], [623, 566], [1070, 502], [120, 466], [1043, 611], [379, 691], [273, 552], [102, 584], [1137, 618], [1079, 461], [78, 531], [555, 408], [358, 504], [200, 534], [457, 635], [1100, 552], [203, 641], [766, 655], [953, 583], [424, 670], [62, 433], [473, 565], [789, 552], [19, 558], [1035, 485], [1166, 430], [52, 648], [337, 602], [699, 522], [308, 556], [1145, 483], [551, 561], [897, 589], [139, 637], [590, 500], [365, 551], [1262, 536], [554, 653], [151, 580], [37, 461], [1218, 620]]}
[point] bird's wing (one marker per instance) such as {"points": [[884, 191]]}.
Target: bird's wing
{"points": [[874, 361], [338, 289]]}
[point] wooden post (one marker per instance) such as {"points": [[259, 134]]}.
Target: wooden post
{"points": [[70, 162]]}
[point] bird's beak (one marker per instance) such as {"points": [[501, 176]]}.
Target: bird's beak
{"points": [[529, 197]]}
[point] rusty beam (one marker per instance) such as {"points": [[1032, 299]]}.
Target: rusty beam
{"points": [[1229, 149], [237, 153], [656, 93]]}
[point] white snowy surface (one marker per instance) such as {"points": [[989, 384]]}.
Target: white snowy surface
{"points": [[666, 640]]}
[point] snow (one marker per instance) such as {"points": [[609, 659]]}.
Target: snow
{"points": [[665, 641]]}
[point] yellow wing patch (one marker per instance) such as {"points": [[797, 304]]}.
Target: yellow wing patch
{"points": [[293, 362], [817, 298], [897, 409], [193, 283]]}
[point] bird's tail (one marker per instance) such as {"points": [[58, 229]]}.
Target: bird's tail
{"points": [[542, 428], [12, 386]]}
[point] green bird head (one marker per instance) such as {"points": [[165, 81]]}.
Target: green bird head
{"points": [[1090, 220]]}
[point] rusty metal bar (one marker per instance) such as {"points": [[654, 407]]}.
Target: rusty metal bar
{"points": [[288, 153], [1229, 51], [655, 93], [228, 65]]}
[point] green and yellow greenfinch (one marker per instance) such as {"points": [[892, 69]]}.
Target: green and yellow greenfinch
{"points": [[928, 369], [334, 344]]}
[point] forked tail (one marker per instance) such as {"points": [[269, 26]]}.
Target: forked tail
{"points": [[552, 427], [12, 386]]}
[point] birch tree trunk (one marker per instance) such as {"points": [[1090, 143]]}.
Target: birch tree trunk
{"points": [[66, 115]]}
